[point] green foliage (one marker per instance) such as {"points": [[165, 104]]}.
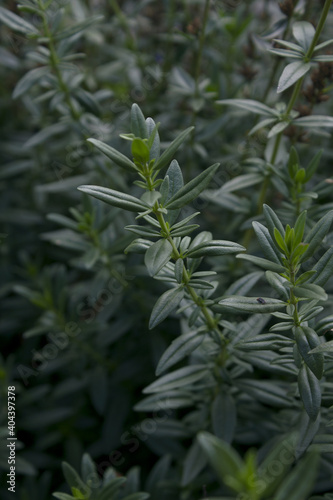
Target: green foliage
{"points": [[92, 487], [167, 275]]}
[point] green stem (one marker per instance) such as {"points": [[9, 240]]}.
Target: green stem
{"points": [[201, 46], [210, 321], [169, 43], [278, 61], [271, 80], [197, 75], [294, 302], [298, 86], [54, 62], [264, 188], [123, 22], [262, 195], [320, 27], [293, 299], [298, 205], [276, 65], [294, 96]]}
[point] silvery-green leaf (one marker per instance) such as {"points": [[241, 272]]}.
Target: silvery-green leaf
{"points": [[157, 255], [167, 303], [299, 483], [115, 198], [303, 33], [155, 146], [263, 263], [278, 128], [250, 105], [150, 197], [114, 155], [46, 134], [310, 291], [262, 124], [272, 394], [267, 243], [193, 463], [315, 237], [310, 392], [323, 45], [214, 248], [291, 73], [289, 45], [179, 378], [169, 400], [314, 121], [323, 58], [264, 341], [250, 304], [180, 348], [168, 154], [272, 221], [224, 415], [286, 53], [28, 80], [16, 23], [175, 183], [284, 447], [240, 182], [322, 348], [138, 246], [73, 479], [223, 458], [138, 122], [306, 340], [78, 28], [192, 189], [111, 488]]}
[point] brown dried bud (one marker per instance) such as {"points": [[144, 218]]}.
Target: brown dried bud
{"points": [[194, 26], [326, 69], [296, 135], [248, 71], [249, 49], [304, 110], [315, 77], [287, 7], [290, 131]]}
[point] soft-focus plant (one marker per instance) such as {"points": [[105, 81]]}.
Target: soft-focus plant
{"points": [[208, 289]]}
